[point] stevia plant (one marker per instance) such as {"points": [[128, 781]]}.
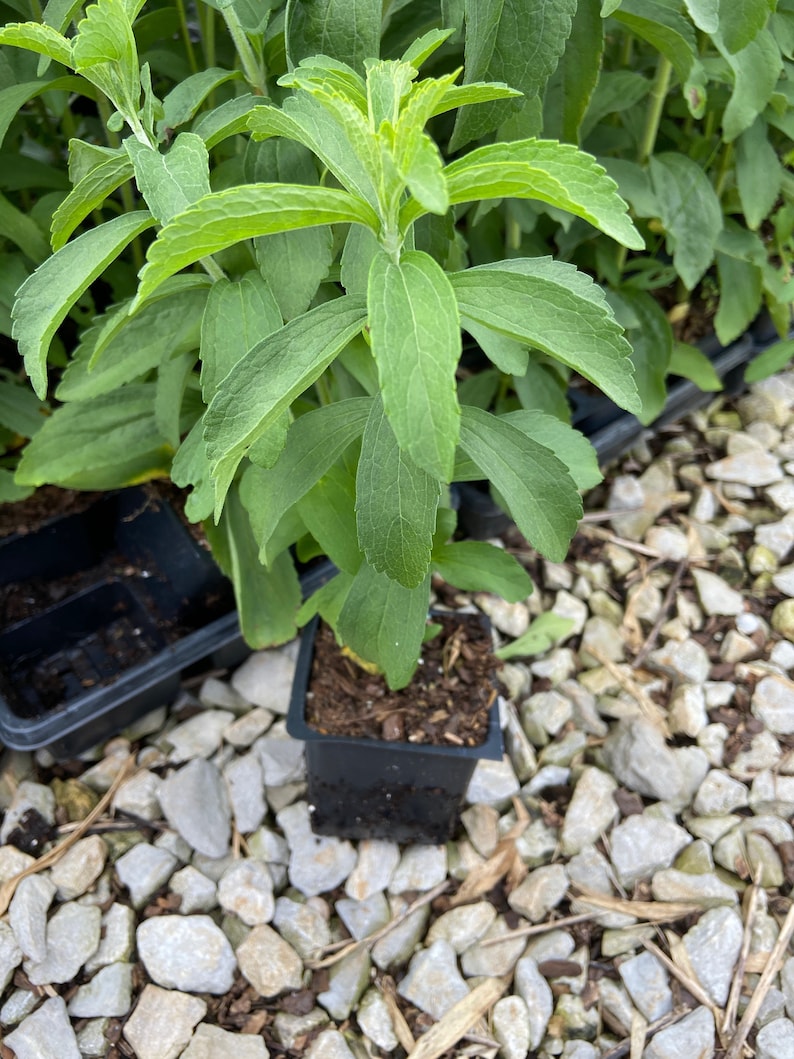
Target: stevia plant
{"points": [[340, 429]]}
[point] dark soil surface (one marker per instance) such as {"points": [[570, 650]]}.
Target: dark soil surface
{"points": [[446, 703]]}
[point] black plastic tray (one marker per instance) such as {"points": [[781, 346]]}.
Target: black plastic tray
{"points": [[364, 788]]}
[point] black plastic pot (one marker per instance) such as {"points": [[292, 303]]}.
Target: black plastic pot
{"points": [[365, 788]]}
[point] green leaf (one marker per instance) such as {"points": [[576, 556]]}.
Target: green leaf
{"points": [[551, 172], [173, 181], [105, 443], [704, 13], [741, 291], [161, 328], [20, 410], [10, 492], [476, 566], [690, 212], [383, 622], [171, 383], [46, 297], [224, 218], [507, 354], [652, 343], [556, 309], [22, 230], [664, 28], [759, 173], [770, 361], [184, 100], [229, 118], [415, 333], [237, 317], [536, 486], [16, 96], [567, 444], [688, 362], [327, 601], [105, 53], [477, 92], [191, 469], [39, 38], [315, 442], [572, 85], [617, 90], [541, 389], [425, 46], [347, 29], [740, 21], [267, 600], [518, 42], [542, 634], [756, 69], [328, 512], [269, 377], [294, 264], [361, 247], [88, 195], [396, 504]]}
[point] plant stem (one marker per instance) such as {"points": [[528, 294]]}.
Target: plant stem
{"points": [[212, 268], [127, 197], [512, 234], [653, 116], [208, 44], [191, 53], [252, 67], [722, 172]]}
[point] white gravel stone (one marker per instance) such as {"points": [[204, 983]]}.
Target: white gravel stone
{"points": [[421, 868], [716, 595], [374, 1018], [492, 783], [772, 793], [117, 937], [348, 979], [329, 1045], [199, 736], [144, 869], [187, 953], [304, 924], [246, 890], [245, 730], [536, 993], [217, 693], [712, 946], [492, 961], [688, 661], [72, 937], [212, 1042], [719, 794], [754, 468], [643, 844], [638, 757], [463, 926], [12, 862], [138, 796], [196, 804], [27, 914], [509, 618], [568, 606], [591, 811], [282, 759], [20, 1004], [377, 862], [542, 890], [669, 541], [265, 679], [433, 982], [10, 955], [46, 1034], [687, 714], [28, 795], [511, 1027], [648, 984], [547, 711], [246, 792], [269, 963], [395, 948], [778, 537], [705, 889], [162, 1023], [198, 893], [316, 864], [79, 867], [775, 1040], [108, 994], [692, 1037], [773, 703]]}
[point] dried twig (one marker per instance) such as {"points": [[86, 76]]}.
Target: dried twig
{"points": [[500, 863], [776, 958], [461, 1017], [750, 903], [652, 710], [341, 949], [667, 603], [624, 1048], [686, 980], [402, 1030], [8, 889]]}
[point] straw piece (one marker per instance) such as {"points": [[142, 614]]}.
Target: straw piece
{"points": [[461, 1017]]}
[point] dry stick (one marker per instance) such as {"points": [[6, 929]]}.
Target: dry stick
{"points": [[732, 1007], [623, 1049], [453, 1025], [402, 1030], [8, 888], [341, 949], [667, 602], [686, 980], [652, 710], [764, 984]]}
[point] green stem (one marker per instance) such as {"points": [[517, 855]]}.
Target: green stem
{"points": [[212, 268], [252, 67], [626, 48], [722, 172], [183, 26], [208, 43], [127, 197], [653, 115], [103, 107], [513, 235]]}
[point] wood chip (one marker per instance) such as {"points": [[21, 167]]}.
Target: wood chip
{"points": [[459, 1019]]}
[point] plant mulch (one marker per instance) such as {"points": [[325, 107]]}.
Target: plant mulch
{"points": [[446, 703]]}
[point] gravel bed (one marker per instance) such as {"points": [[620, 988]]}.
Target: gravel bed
{"points": [[620, 884]]}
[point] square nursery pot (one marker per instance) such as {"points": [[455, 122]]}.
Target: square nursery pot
{"points": [[122, 600], [367, 788]]}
